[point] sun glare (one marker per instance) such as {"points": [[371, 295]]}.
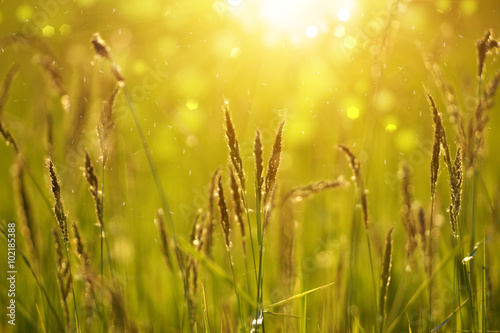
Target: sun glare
{"points": [[296, 17], [311, 31], [343, 14]]}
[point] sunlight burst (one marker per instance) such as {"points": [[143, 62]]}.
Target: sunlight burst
{"points": [[293, 17]]}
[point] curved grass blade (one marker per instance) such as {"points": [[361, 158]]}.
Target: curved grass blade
{"points": [[298, 296], [438, 327]]}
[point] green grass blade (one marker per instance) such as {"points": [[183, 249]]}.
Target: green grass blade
{"points": [[438, 327], [298, 296]]}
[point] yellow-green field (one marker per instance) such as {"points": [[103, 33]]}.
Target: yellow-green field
{"points": [[249, 166]]}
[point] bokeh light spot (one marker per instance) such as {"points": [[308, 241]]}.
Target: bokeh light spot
{"points": [[343, 14], [48, 31], [192, 104], [352, 112], [24, 12], [65, 29], [391, 127], [139, 67], [443, 6], [406, 141], [235, 52], [311, 31], [350, 42], [234, 3], [468, 7], [339, 31]]}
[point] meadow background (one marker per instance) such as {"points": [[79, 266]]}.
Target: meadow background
{"points": [[359, 80]]}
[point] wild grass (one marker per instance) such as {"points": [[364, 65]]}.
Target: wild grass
{"points": [[275, 256]]}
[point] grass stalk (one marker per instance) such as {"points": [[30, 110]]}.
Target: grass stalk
{"points": [[102, 49], [238, 297], [430, 256], [483, 286], [159, 187], [78, 329]]}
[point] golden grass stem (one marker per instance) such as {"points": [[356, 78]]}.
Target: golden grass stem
{"points": [[358, 179]]}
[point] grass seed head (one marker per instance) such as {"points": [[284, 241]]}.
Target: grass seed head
{"points": [[59, 212], [407, 214], [456, 179], [238, 206], [358, 179], [4, 92], [224, 215], [165, 248], [100, 46], [422, 228], [106, 125], [385, 276], [234, 147], [305, 192], [273, 164], [103, 50], [54, 75], [484, 45], [92, 181], [209, 227], [259, 163], [63, 275]]}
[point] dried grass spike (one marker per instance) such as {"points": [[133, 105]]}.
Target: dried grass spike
{"points": [[484, 45], [64, 277], [92, 181], [422, 228], [100, 46], [385, 276], [59, 212], [269, 208], [234, 148], [407, 214], [305, 192], [438, 123], [456, 178], [4, 92], [9, 139], [165, 248], [121, 320], [79, 246], [87, 274], [106, 125], [102, 49], [436, 147], [224, 216], [259, 162], [238, 207], [274, 163], [48, 64], [491, 90], [209, 228], [356, 170]]}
